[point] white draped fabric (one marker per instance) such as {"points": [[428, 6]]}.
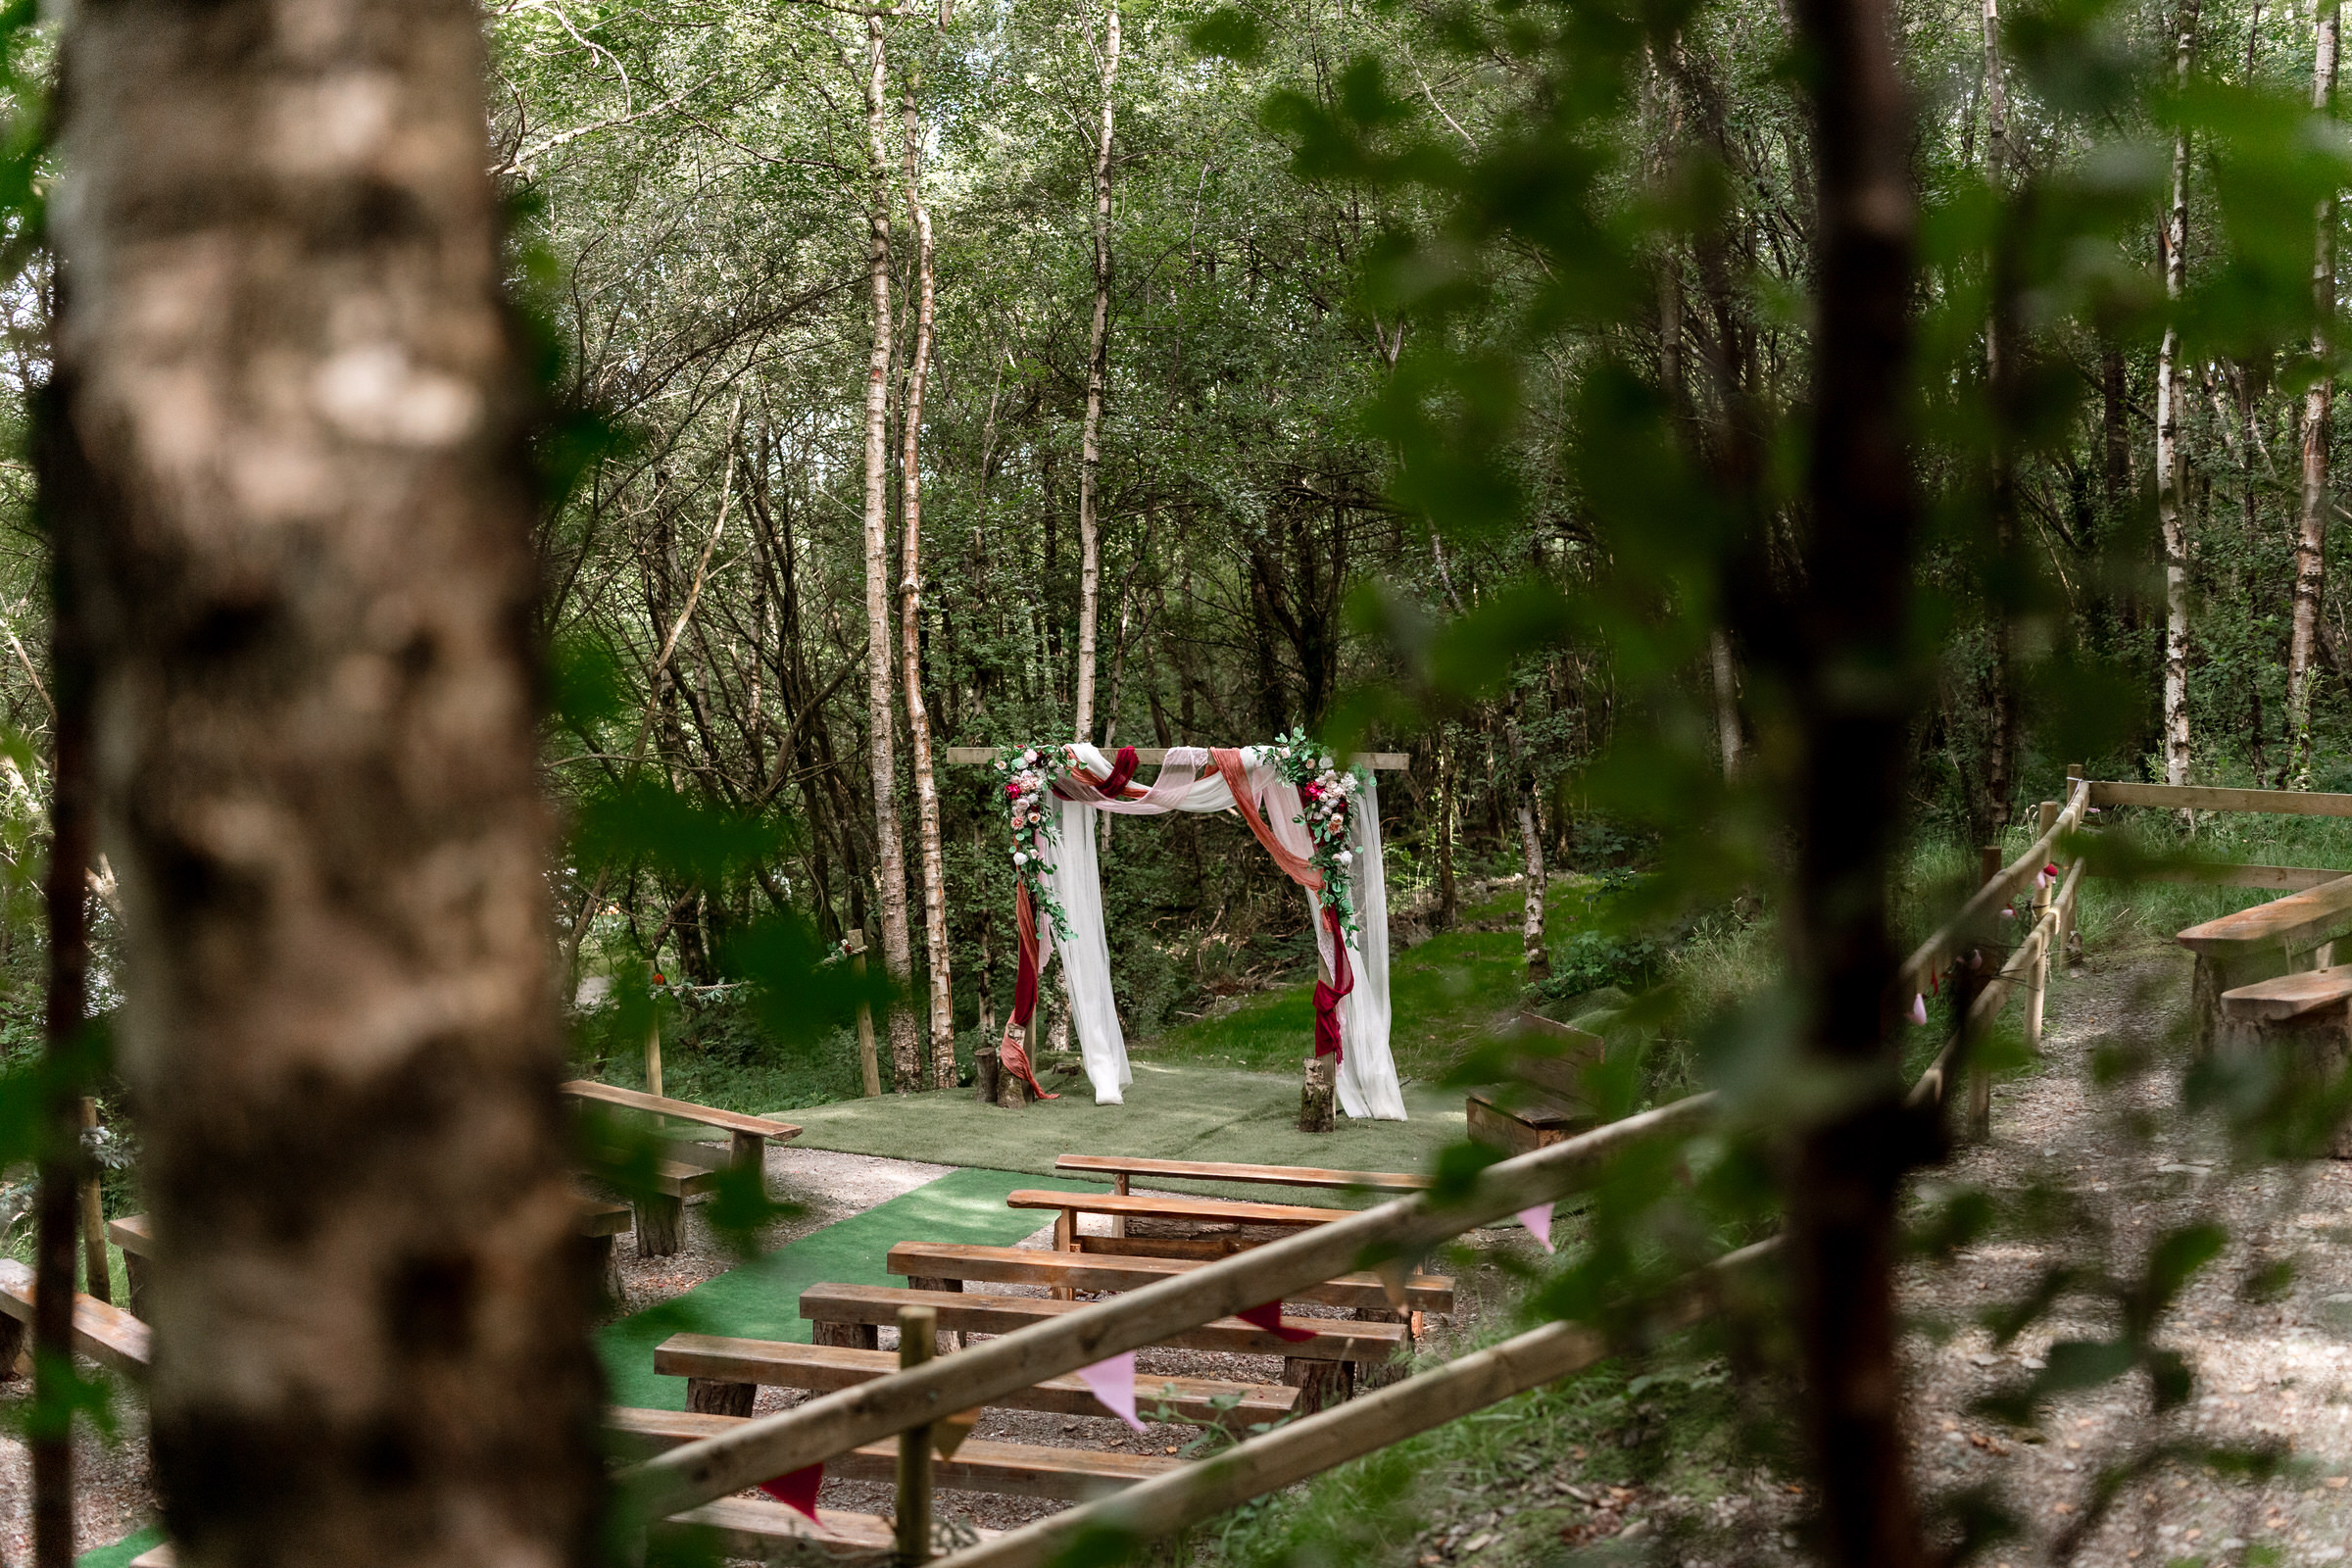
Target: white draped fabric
{"points": [[1188, 781], [1075, 880]]}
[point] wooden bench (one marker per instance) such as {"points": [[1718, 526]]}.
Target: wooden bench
{"points": [[2282, 937], [107, 1335], [688, 1172], [1544, 1103], [1197, 1210], [1121, 1169], [600, 1222], [940, 1266], [2307, 1015], [1322, 1368], [1008, 1469], [723, 1375]]}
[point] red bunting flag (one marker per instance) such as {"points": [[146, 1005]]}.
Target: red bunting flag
{"points": [[798, 1490], [1269, 1319]]}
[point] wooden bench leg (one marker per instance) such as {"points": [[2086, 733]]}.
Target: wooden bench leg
{"points": [[949, 1339], [12, 1346], [711, 1396], [603, 1268], [660, 1219], [748, 1152], [1118, 1222], [1320, 1384], [1380, 1374], [134, 1277], [846, 1336]]}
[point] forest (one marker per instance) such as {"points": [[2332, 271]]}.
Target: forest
{"points": [[536, 533]]}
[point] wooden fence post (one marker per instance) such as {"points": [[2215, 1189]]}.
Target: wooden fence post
{"points": [[2070, 944], [918, 1337], [853, 943], [101, 1283], [2040, 984], [653, 1057]]}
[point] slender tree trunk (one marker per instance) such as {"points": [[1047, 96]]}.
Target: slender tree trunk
{"points": [[881, 658], [1097, 376], [1449, 817], [2171, 471], [940, 981], [1854, 613], [1536, 955], [2000, 762], [66, 494], [319, 783], [1726, 673], [2311, 518]]}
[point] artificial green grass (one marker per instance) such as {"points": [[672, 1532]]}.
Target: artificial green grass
{"points": [[761, 1301], [1172, 1113], [121, 1551]]}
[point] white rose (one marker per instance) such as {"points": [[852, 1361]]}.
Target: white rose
{"points": [[1326, 764], [1018, 859], [1346, 859]]}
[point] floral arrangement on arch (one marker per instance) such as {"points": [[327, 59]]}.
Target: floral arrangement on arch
{"points": [[1327, 798], [1030, 774]]}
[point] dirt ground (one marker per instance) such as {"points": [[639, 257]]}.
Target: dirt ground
{"points": [[2118, 1162]]}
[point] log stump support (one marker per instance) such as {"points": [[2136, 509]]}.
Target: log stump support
{"points": [[711, 1397], [660, 1219], [1396, 1369], [1320, 1384], [1318, 1099], [846, 1336], [134, 1285], [985, 1072]]}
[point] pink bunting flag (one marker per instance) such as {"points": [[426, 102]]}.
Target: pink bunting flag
{"points": [[1919, 1009], [1269, 1317], [1538, 1221], [798, 1490], [1113, 1383]]}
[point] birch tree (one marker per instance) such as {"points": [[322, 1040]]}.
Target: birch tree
{"points": [[310, 574], [881, 656], [2172, 471], [911, 617], [2311, 518], [1098, 375]]}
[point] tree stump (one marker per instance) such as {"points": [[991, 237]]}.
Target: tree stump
{"points": [[1320, 1384], [846, 1336], [660, 1219], [1318, 1100], [12, 1346], [984, 1073], [1380, 1374], [134, 1284], [1012, 1093], [711, 1397], [949, 1339]]}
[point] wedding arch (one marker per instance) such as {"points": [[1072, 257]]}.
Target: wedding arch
{"points": [[1319, 821]]}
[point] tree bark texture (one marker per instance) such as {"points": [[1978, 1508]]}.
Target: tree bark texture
{"points": [[881, 656], [310, 587], [67, 496], [1726, 671], [1854, 615], [2172, 472], [2000, 760], [2311, 518], [1536, 955], [1098, 377], [940, 979]]}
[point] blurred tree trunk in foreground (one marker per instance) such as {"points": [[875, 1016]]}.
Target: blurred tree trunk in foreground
{"points": [[309, 582], [1852, 690]]}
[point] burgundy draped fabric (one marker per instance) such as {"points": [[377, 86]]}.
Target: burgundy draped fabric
{"points": [[1327, 996], [1011, 1054]]}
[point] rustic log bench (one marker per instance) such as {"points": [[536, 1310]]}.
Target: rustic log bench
{"points": [[723, 1376], [2309, 1015], [1145, 1206], [107, 1335], [600, 1222], [2279, 938], [689, 1170], [1322, 1367], [1545, 1101], [1121, 1169], [941, 1266], [1008, 1469]]}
